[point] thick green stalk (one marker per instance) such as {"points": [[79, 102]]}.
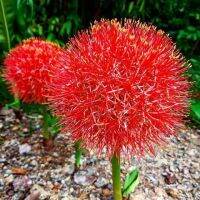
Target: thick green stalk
{"points": [[46, 134], [117, 192], [78, 153], [17, 103]]}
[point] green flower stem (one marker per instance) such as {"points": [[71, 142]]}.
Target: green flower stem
{"points": [[17, 101], [46, 134], [117, 192], [78, 153]]}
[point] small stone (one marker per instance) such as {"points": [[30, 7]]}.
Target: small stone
{"points": [[192, 152], [81, 178], [192, 170], [5, 111], [137, 196], [55, 154], [72, 158], [196, 175], [83, 195], [68, 169], [42, 165], [91, 160], [67, 197], [197, 195], [24, 149], [186, 171], [8, 172], [9, 179], [54, 197], [35, 195], [170, 178], [43, 194], [106, 192], [162, 162], [15, 128], [41, 182], [188, 186], [91, 171], [22, 183], [1, 125], [2, 160], [153, 179], [34, 163], [71, 190], [101, 182], [12, 142], [1, 183], [172, 192], [63, 182], [25, 130], [160, 192], [104, 162], [172, 168], [93, 197]]}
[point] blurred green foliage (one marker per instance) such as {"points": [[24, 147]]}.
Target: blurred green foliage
{"points": [[195, 111], [50, 123], [5, 96], [57, 20], [7, 14]]}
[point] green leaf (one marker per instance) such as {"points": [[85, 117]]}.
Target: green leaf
{"points": [[50, 125], [66, 28], [130, 7], [142, 6], [25, 12], [131, 182], [32, 108], [7, 14], [5, 96], [15, 104]]}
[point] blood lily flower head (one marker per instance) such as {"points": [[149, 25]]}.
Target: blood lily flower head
{"points": [[28, 69], [122, 88]]}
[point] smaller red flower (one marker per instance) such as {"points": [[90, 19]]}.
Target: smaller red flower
{"points": [[28, 69]]}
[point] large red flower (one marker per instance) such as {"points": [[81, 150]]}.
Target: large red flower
{"points": [[122, 88], [28, 69]]}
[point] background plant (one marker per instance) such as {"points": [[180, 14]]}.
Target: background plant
{"points": [[27, 69]]}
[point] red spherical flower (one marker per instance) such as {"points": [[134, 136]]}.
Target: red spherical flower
{"points": [[28, 69], [122, 88]]}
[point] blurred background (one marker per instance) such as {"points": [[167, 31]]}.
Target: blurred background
{"points": [[58, 20]]}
